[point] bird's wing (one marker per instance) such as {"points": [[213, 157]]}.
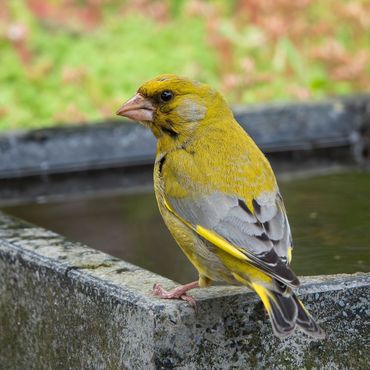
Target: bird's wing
{"points": [[260, 236]]}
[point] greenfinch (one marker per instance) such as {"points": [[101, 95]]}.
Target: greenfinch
{"points": [[219, 198]]}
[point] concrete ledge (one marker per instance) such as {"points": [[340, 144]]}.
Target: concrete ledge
{"points": [[103, 316]]}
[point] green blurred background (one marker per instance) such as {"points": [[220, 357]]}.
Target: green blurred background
{"points": [[72, 61]]}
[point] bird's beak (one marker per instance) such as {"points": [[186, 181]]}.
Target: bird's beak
{"points": [[137, 108]]}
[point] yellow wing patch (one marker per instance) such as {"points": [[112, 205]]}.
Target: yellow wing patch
{"points": [[290, 249], [211, 236], [263, 294], [167, 205], [174, 213], [240, 279], [221, 243]]}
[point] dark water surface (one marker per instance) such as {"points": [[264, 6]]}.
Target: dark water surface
{"points": [[329, 216]]}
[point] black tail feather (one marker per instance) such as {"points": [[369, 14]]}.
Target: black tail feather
{"points": [[283, 314], [287, 312], [306, 322]]}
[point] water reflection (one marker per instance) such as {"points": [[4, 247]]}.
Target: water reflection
{"points": [[329, 215]]}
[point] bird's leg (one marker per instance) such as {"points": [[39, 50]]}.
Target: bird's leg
{"points": [[176, 293]]}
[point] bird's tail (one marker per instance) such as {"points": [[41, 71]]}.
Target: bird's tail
{"points": [[286, 312]]}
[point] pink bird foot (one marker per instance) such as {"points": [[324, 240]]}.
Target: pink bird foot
{"points": [[177, 293]]}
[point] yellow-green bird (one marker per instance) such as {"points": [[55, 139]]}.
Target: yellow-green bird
{"points": [[219, 197]]}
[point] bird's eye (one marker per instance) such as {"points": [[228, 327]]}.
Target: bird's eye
{"points": [[166, 95]]}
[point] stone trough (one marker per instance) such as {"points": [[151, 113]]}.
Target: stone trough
{"points": [[65, 305]]}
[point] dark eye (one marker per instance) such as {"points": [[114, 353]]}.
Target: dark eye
{"points": [[166, 95]]}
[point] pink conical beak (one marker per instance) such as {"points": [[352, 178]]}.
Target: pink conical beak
{"points": [[137, 108]]}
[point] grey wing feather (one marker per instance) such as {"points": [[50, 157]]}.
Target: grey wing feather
{"points": [[265, 233]]}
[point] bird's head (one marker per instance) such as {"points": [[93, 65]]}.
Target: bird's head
{"points": [[174, 107]]}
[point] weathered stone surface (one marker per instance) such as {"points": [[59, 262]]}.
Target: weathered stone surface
{"points": [[66, 306]]}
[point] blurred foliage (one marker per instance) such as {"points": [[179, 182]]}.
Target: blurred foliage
{"points": [[68, 61]]}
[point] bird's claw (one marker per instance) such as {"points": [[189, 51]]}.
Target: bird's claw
{"points": [[189, 299], [176, 293]]}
